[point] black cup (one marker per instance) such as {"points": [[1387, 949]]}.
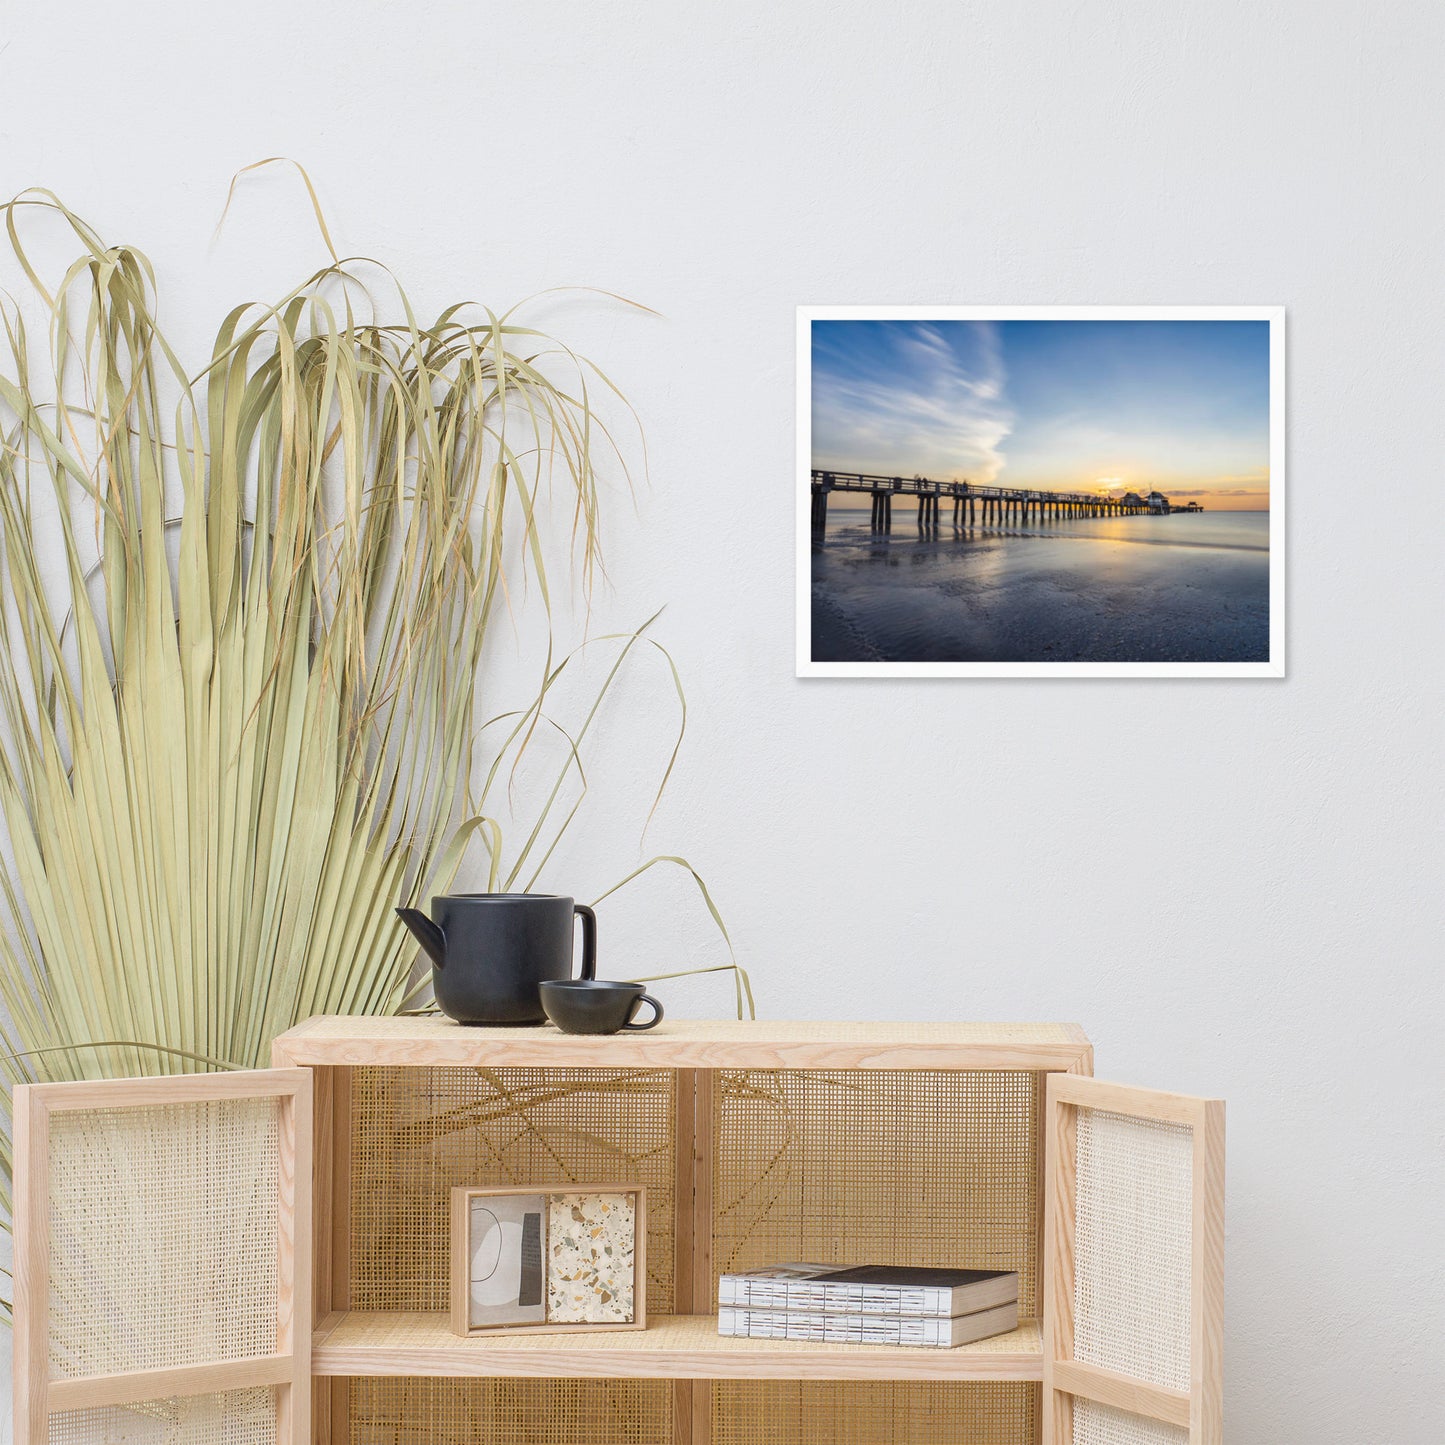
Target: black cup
{"points": [[595, 1006]]}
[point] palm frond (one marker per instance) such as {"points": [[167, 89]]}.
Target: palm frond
{"points": [[242, 618]]}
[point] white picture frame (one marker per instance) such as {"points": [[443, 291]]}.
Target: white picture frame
{"points": [[1272, 667]]}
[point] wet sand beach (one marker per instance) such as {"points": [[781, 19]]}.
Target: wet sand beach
{"points": [[1182, 588]]}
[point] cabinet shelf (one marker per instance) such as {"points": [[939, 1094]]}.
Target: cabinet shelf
{"points": [[436, 1042], [672, 1347]]}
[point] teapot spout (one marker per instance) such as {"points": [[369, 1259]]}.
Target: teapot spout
{"points": [[426, 933]]}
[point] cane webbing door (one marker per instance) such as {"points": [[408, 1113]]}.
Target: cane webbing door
{"points": [[163, 1260], [1133, 1266]]}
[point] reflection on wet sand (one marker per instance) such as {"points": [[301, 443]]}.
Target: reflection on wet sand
{"points": [[1181, 588]]}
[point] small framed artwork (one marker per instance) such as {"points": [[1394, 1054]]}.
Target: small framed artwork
{"points": [[1041, 491], [525, 1258]]}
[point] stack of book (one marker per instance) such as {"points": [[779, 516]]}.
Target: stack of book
{"points": [[871, 1304]]}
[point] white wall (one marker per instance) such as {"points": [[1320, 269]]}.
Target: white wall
{"points": [[940, 849]]}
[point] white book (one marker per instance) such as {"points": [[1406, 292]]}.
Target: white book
{"points": [[843, 1329], [869, 1289]]}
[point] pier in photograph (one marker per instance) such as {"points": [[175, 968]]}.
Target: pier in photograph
{"points": [[980, 506]]}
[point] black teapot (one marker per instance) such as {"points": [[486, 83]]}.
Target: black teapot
{"points": [[491, 951]]}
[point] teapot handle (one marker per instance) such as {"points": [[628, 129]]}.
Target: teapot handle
{"points": [[589, 940]]}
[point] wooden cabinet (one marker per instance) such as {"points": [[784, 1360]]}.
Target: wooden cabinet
{"points": [[981, 1144]]}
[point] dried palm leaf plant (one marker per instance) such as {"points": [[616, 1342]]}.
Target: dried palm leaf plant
{"points": [[242, 615]]}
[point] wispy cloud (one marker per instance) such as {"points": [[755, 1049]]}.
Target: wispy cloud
{"points": [[911, 397], [1219, 491]]}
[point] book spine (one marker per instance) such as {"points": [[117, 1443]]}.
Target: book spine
{"points": [[834, 1328], [743, 1292]]}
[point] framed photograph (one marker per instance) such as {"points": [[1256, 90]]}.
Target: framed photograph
{"points": [[1064, 491], [548, 1258]]}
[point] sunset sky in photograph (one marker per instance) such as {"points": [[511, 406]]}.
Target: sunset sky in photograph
{"points": [[1097, 406]]}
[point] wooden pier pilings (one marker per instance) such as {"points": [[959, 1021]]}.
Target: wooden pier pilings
{"points": [[820, 506], [973, 505]]}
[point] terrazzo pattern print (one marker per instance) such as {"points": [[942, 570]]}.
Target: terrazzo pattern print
{"points": [[591, 1261]]}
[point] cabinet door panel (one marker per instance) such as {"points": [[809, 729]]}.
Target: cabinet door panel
{"points": [[162, 1249], [1133, 1263]]}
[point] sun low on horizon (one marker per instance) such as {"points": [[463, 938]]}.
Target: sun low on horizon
{"points": [[1100, 406]]}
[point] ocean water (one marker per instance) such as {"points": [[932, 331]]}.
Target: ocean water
{"points": [[1189, 587]]}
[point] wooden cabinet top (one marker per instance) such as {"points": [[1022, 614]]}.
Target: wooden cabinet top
{"points": [[689, 1044]]}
